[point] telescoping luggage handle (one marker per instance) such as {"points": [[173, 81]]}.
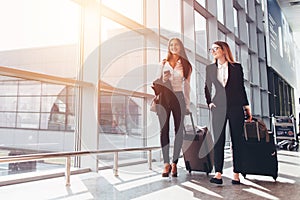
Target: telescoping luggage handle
{"points": [[193, 124]]}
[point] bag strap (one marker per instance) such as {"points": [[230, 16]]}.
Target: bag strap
{"points": [[245, 132], [257, 131]]}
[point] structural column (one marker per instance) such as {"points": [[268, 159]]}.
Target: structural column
{"points": [[90, 64]]}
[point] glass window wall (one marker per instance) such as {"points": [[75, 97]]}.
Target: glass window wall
{"points": [[111, 29], [34, 107], [237, 53], [200, 77], [220, 11], [263, 4], [44, 114], [221, 36], [41, 36], [35, 117], [235, 22], [248, 31], [121, 122], [132, 9], [246, 6], [201, 35], [121, 56], [202, 2], [170, 18]]}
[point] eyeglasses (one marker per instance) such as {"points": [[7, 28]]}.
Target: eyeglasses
{"points": [[213, 49]]}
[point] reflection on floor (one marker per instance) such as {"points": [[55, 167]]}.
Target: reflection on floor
{"points": [[138, 183]]}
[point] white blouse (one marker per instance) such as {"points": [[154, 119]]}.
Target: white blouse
{"points": [[178, 82], [223, 73]]}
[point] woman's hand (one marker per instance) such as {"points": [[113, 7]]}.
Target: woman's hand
{"points": [[187, 111], [211, 105], [248, 113]]}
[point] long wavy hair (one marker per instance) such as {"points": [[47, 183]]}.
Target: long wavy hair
{"points": [[187, 67], [226, 49]]}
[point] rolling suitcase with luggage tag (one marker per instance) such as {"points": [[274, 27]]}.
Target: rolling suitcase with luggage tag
{"points": [[197, 148], [259, 150]]}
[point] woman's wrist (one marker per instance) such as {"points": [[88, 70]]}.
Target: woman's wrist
{"points": [[246, 107], [248, 112]]}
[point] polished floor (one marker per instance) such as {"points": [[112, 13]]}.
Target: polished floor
{"points": [[139, 183]]}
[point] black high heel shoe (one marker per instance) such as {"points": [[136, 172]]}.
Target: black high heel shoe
{"points": [[235, 182]]}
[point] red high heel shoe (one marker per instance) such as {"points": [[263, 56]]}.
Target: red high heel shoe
{"points": [[167, 170], [174, 170]]}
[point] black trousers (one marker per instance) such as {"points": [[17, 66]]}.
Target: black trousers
{"points": [[235, 117], [178, 108]]}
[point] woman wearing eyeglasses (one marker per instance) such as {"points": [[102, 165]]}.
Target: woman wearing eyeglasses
{"points": [[227, 101]]}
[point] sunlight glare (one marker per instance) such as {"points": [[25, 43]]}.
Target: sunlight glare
{"points": [[173, 192], [35, 23], [137, 183], [260, 193], [201, 189]]}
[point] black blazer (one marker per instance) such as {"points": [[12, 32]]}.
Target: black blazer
{"points": [[233, 94]]}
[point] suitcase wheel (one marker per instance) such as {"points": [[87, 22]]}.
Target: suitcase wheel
{"points": [[244, 175], [290, 147], [274, 177], [188, 166]]}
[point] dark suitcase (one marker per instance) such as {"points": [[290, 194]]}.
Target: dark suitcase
{"points": [[197, 148], [259, 151], [24, 166]]}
